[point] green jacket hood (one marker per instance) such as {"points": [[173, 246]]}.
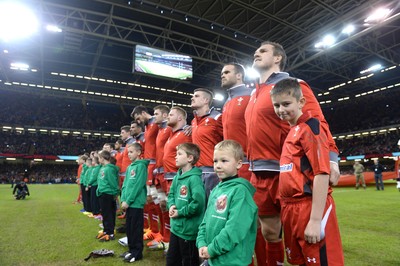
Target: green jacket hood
{"points": [[110, 165], [241, 181], [193, 171], [145, 163]]}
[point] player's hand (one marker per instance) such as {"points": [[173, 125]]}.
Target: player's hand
{"points": [[335, 174], [187, 130], [312, 234]]}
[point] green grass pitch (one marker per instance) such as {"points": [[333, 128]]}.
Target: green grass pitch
{"points": [[47, 229]]}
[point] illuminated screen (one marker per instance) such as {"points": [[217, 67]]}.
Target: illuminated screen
{"points": [[161, 63]]}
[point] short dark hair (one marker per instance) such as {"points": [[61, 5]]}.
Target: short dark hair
{"points": [[209, 94], [288, 86], [138, 124], [238, 69], [278, 50], [126, 128], [138, 110], [163, 108], [190, 149], [112, 145], [106, 155], [120, 141]]}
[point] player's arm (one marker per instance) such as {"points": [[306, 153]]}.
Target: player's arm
{"points": [[312, 234], [312, 106]]}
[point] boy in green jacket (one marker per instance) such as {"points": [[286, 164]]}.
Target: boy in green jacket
{"points": [[228, 232], [92, 184], [186, 203], [133, 198], [107, 191]]}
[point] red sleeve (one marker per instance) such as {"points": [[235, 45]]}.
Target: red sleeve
{"points": [[313, 108], [316, 149], [80, 170]]}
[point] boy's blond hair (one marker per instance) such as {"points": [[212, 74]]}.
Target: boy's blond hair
{"points": [[190, 149], [232, 146], [136, 146]]}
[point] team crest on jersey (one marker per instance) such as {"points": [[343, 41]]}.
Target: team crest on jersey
{"points": [[286, 167], [133, 173], [183, 191], [207, 120], [102, 174], [240, 101], [296, 129], [220, 205]]}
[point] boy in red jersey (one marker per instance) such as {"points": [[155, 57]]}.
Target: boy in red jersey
{"points": [[265, 136], [311, 231]]}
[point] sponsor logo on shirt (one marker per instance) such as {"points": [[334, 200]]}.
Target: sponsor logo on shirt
{"points": [[133, 173], [286, 167], [183, 191], [220, 204]]}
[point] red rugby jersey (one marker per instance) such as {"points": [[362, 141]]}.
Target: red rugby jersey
{"points": [[233, 123], [163, 134], [305, 154], [266, 132], [176, 138], [207, 132], [150, 136]]}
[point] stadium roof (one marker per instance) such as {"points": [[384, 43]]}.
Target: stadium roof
{"points": [[92, 57]]}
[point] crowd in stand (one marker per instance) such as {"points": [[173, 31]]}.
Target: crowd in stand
{"points": [[37, 173], [33, 110], [44, 144], [51, 112], [361, 114], [57, 144]]}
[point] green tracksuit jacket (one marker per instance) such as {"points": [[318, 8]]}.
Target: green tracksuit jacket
{"points": [[107, 180], [134, 191], [88, 173], [84, 174], [92, 180], [188, 195], [229, 226]]}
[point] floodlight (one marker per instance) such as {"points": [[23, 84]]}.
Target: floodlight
{"points": [[328, 40], [16, 21], [219, 97], [348, 29], [251, 73], [53, 28], [19, 66], [378, 15], [371, 69]]}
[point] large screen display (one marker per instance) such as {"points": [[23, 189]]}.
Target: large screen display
{"points": [[161, 63]]}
